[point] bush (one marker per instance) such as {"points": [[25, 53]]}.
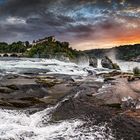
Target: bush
{"points": [[136, 71]]}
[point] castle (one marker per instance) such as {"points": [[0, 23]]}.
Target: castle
{"points": [[44, 40]]}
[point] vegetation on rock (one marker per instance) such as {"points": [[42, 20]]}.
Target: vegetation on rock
{"points": [[106, 62], [42, 48], [53, 49], [136, 71]]}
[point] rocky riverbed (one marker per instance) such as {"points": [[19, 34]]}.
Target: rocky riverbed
{"points": [[90, 105], [114, 102]]}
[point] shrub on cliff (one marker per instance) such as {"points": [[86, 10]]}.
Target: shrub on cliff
{"points": [[136, 71]]}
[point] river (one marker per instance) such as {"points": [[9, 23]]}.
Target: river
{"points": [[21, 125]]}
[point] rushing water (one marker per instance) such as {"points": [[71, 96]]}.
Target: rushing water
{"points": [[20, 125], [25, 65], [48, 66], [45, 66]]}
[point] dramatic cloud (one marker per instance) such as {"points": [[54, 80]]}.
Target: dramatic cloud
{"points": [[86, 24]]}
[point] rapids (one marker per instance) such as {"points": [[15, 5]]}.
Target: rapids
{"points": [[21, 125]]}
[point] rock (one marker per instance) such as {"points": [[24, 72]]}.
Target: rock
{"points": [[116, 66], [119, 91], [115, 105], [130, 104], [109, 79], [110, 74], [107, 63], [126, 128], [13, 87], [49, 82], [5, 104], [5, 90], [93, 62], [130, 78], [20, 103]]}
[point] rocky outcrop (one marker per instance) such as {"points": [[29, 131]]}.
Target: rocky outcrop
{"points": [[93, 62], [107, 63]]}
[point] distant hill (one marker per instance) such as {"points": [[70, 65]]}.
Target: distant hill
{"points": [[126, 52]]}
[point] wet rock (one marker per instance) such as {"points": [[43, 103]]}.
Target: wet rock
{"points": [[11, 76], [116, 66], [5, 90], [135, 114], [5, 104], [13, 87], [125, 128], [93, 62], [49, 82], [107, 63], [130, 103], [115, 105], [19, 103], [109, 79]]}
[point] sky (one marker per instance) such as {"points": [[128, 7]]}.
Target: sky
{"points": [[86, 24]]}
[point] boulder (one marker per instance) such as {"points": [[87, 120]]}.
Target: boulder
{"points": [[107, 63], [93, 62]]}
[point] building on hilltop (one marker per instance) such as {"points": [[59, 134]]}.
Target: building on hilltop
{"points": [[44, 40]]}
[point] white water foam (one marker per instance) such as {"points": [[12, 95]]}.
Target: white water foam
{"points": [[50, 66], [17, 125]]}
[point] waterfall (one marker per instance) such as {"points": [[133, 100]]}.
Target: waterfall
{"points": [[99, 63]]}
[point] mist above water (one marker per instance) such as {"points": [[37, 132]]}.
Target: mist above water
{"points": [[126, 66]]}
